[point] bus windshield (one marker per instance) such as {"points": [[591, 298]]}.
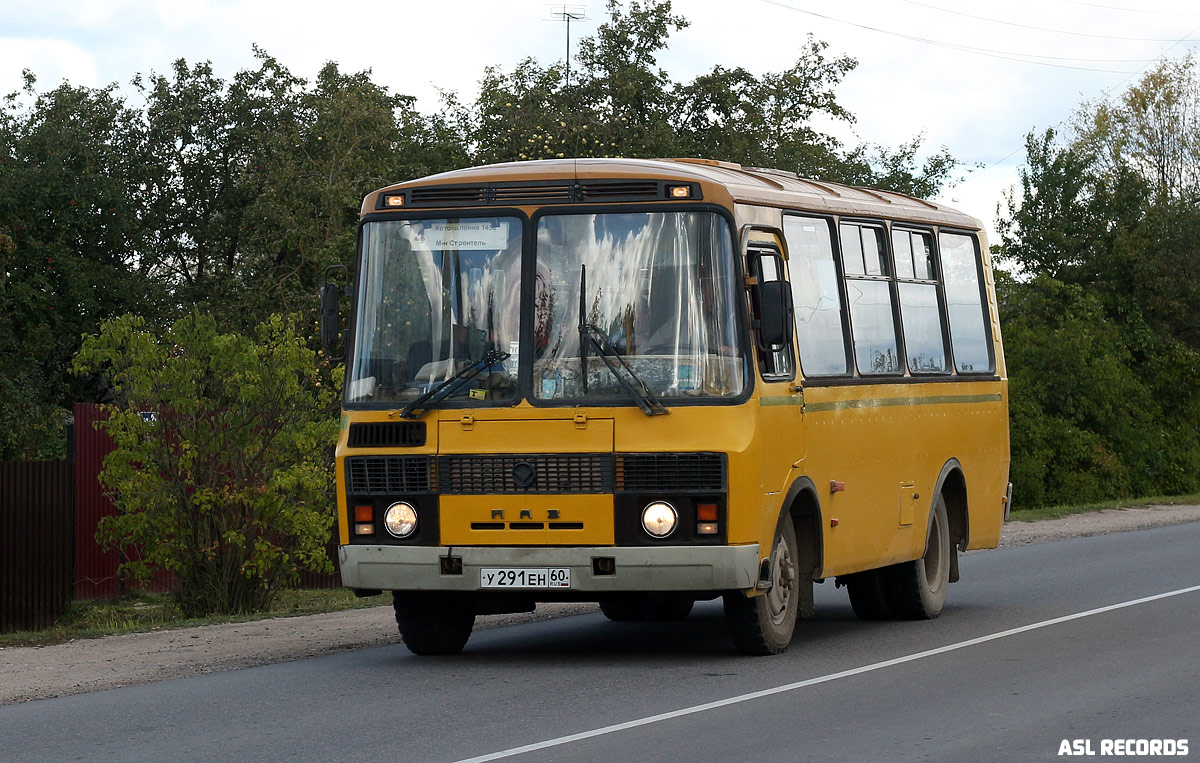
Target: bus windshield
{"points": [[659, 287], [436, 298], [441, 298]]}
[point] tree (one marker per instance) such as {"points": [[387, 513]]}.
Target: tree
{"points": [[631, 98], [767, 121], [221, 467], [1153, 129], [618, 104], [1087, 420], [1102, 339], [345, 135], [69, 227], [621, 103]]}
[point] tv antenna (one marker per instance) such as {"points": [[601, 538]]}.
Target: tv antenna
{"points": [[567, 14]]}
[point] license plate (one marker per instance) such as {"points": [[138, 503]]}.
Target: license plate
{"points": [[525, 577]]}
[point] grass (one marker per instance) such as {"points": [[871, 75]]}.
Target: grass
{"points": [[1057, 512], [137, 612]]}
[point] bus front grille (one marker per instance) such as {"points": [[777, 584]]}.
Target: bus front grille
{"points": [[386, 434], [390, 475], [534, 473], [670, 473], [526, 473]]}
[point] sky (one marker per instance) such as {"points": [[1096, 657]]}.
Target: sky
{"points": [[973, 76]]}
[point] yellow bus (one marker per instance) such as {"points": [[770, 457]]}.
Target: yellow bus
{"points": [[648, 383]]}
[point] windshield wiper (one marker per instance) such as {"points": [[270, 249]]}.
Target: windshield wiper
{"points": [[590, 334], [426, 401], [634, 385]]}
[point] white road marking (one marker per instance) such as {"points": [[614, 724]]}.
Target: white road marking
{"points": [[559, 741]]}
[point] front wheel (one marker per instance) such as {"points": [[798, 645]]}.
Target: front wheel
{"points": [[764, 624], [433, 623]]}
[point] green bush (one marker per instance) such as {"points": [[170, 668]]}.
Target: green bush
{"points": [[222, 472]]}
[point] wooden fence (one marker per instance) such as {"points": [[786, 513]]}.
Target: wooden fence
{"points": [[36, 543], [49, 511]]}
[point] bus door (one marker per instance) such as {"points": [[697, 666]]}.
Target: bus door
{"points": [[780, 398]]}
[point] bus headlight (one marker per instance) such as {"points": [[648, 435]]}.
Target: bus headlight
{"points": [[659, 519], [400, 520]]}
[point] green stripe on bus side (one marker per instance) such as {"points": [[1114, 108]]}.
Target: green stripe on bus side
{"points": [[781, 400], [884, 402]]}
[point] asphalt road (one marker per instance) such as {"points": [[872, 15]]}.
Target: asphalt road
{"points": [[1037, 644]]}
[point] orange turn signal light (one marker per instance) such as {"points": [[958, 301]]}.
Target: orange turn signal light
{"points": [[706, 512], [364, 513]]}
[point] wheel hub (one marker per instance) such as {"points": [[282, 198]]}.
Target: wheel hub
{"points": [[783, 577]]}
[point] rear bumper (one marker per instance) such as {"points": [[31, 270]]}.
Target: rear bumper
{"points": [[675, 568]]}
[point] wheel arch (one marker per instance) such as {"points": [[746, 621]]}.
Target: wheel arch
{"points": [[805, 508], [952, 486]]}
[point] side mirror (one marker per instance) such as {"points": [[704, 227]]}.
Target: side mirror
{"points": [[774, 313], [330, 320]]}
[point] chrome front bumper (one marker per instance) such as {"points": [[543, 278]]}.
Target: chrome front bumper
{"points": [[673, 568]]}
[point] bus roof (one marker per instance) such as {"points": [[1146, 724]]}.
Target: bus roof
{"points": [[533, 182]]}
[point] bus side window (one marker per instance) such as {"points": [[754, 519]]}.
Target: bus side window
{"points": [[766, 266], [920, 310], [869, 293], [817, 296], [964, 303]]}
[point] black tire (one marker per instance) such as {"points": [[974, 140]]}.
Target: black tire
{"points": [[667, 608], [433, 623], [869, 595], [917, 589], [647, 607], [623, 610], [764, 624]]}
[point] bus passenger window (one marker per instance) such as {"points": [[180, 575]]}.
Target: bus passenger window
{"points": [[964, 303], [920, 312], [872, 324], [913, 255], [816, 297], [922, 320], [902, 252], [923, 256], [852, 255], [873, 251]]}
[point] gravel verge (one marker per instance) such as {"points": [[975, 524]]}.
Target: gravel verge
{"points": [[29, 673]]}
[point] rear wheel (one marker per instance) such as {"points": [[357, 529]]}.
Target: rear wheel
{"points": [[764, 624], [668, 607], [622, 610], [869, 595], [917, 589], [433, 623]]}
